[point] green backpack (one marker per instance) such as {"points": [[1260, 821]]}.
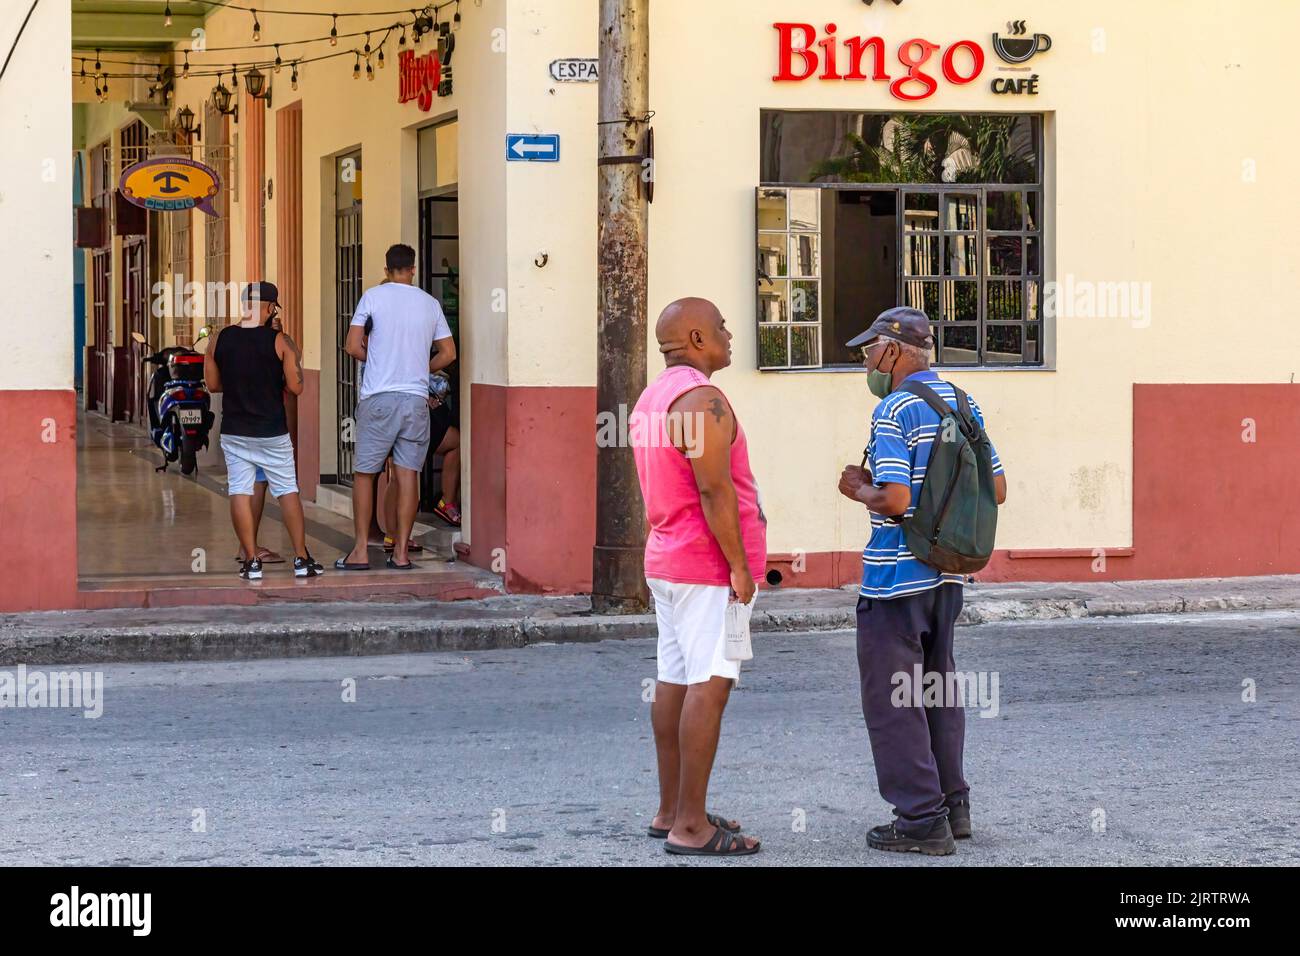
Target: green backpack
{"points": [[956, 517]]}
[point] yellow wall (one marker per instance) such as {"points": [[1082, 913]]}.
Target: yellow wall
{"points": [[1151, 112], [1147, 139]]}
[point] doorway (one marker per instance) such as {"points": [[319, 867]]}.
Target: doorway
{"points": [[439, 269], [348, 277]]}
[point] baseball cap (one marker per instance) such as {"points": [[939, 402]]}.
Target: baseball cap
{"points": [[911, 326], [261, 292]]}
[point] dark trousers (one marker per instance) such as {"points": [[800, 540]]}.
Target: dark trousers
{"points": [[917, 750]]}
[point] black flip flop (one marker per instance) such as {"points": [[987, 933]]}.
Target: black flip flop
{"points": [[342, 565], [393, 565], [723, 843], [655, 833], [411, 548]]}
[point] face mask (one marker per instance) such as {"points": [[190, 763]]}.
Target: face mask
{"points": [[881, 382]]}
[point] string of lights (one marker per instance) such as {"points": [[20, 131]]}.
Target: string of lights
{"points": [[255, 11], [423, 20], [253, 69]]}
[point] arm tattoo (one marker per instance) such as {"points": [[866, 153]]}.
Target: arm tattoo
{"points": [[718, 408]]}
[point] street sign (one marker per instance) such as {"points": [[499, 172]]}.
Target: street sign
{"points": [[533, 147], [575, 70]]}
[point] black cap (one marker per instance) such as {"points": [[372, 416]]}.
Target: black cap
{"points": [[910, 326], [261, 292]]}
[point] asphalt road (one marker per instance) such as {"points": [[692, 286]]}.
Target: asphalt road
{"points": [[1116, 742]]}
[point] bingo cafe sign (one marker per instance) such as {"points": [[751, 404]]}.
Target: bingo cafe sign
{"points": [[913, 68], [170, 184]]}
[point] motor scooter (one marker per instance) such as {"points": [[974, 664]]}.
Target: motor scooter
{"points": [[180, 408]]}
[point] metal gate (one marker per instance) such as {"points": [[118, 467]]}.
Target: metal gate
{"points": [[135, 313], [347, 253], [101, 360], [439, 275]]}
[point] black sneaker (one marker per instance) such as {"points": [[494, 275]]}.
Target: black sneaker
{"points": [[250, 570], [937, 841], [307, 567], [959, 820]]}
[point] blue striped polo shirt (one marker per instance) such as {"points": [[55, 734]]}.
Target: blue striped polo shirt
{"points": [[903, 429]]}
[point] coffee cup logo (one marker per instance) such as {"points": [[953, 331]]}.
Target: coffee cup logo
{"points": [[1017, 48]]}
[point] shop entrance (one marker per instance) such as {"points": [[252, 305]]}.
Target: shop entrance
{"points": [[348, 277], [439, 275]]}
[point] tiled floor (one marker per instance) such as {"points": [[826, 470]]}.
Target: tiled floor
{"points": [[146, 532]]}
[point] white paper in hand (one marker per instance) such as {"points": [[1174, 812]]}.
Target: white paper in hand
{"points": [[738, 646]]}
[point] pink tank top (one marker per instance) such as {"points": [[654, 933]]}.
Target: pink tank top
{"points": [[680, 547]]}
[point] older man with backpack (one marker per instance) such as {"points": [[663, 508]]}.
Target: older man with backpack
{"points": [[932, 482]]}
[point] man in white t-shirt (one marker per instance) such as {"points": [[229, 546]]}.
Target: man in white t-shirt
{"points": [[406, 323]]}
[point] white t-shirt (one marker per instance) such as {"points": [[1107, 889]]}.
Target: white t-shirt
{"points": [[407, 322]]}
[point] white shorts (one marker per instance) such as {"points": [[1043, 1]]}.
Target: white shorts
{"points": [[692, 632], [274, 456]]}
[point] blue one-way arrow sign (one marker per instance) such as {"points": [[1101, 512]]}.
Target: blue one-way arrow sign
{"points": [[533, 147]]}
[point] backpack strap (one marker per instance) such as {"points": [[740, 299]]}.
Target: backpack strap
{"points": [[927, 395], [967, 413], [963, 413]]}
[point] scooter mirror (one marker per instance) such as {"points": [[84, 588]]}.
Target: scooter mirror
{"points": [[139, 338], [201, 346]]}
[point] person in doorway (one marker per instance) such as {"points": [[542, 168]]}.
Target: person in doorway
{"points": [[907, 609], [265, 555], [706, 547], [392, 415], [252, 364]]}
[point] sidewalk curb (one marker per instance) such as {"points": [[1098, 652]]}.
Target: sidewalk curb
{"points": [[251, 641]]}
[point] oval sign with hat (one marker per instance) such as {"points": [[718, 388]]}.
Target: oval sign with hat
{"points": [[170, 184]]}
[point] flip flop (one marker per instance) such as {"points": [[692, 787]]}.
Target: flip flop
{"points": [[342, 565], [655, 833], [408, 566], [412, 547], [722, 843]]}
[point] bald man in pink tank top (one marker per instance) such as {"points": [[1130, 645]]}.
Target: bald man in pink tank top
{"points": [[706, 547]]}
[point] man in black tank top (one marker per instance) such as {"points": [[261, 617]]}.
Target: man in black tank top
{"points": [[252, 364]]}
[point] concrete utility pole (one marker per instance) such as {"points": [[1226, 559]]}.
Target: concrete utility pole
{"points": [[618, 580]]}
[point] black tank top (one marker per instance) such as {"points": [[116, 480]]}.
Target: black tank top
{"points": [[252, 381]]}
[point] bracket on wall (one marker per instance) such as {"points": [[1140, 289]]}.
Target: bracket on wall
{"points": [[647, 156]]}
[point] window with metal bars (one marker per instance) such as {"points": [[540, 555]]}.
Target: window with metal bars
{"points": [[833, 254]]}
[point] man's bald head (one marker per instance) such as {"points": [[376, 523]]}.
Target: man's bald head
{"points": [[691, 331]]}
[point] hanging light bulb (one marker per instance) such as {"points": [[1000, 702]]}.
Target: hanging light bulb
{"points": [[234, 78], [293, 78], [366, 51], [97, 66], [167, 15], [104, 97], [257, 28], [334, 31], [185, 70], [381, 56], [356, 68], [401, 41], [83, 71], [370, 71], [277, 58], [455, 21]]}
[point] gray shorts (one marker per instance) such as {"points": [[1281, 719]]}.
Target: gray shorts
{"points": [[391, 422], [249, 460]]}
